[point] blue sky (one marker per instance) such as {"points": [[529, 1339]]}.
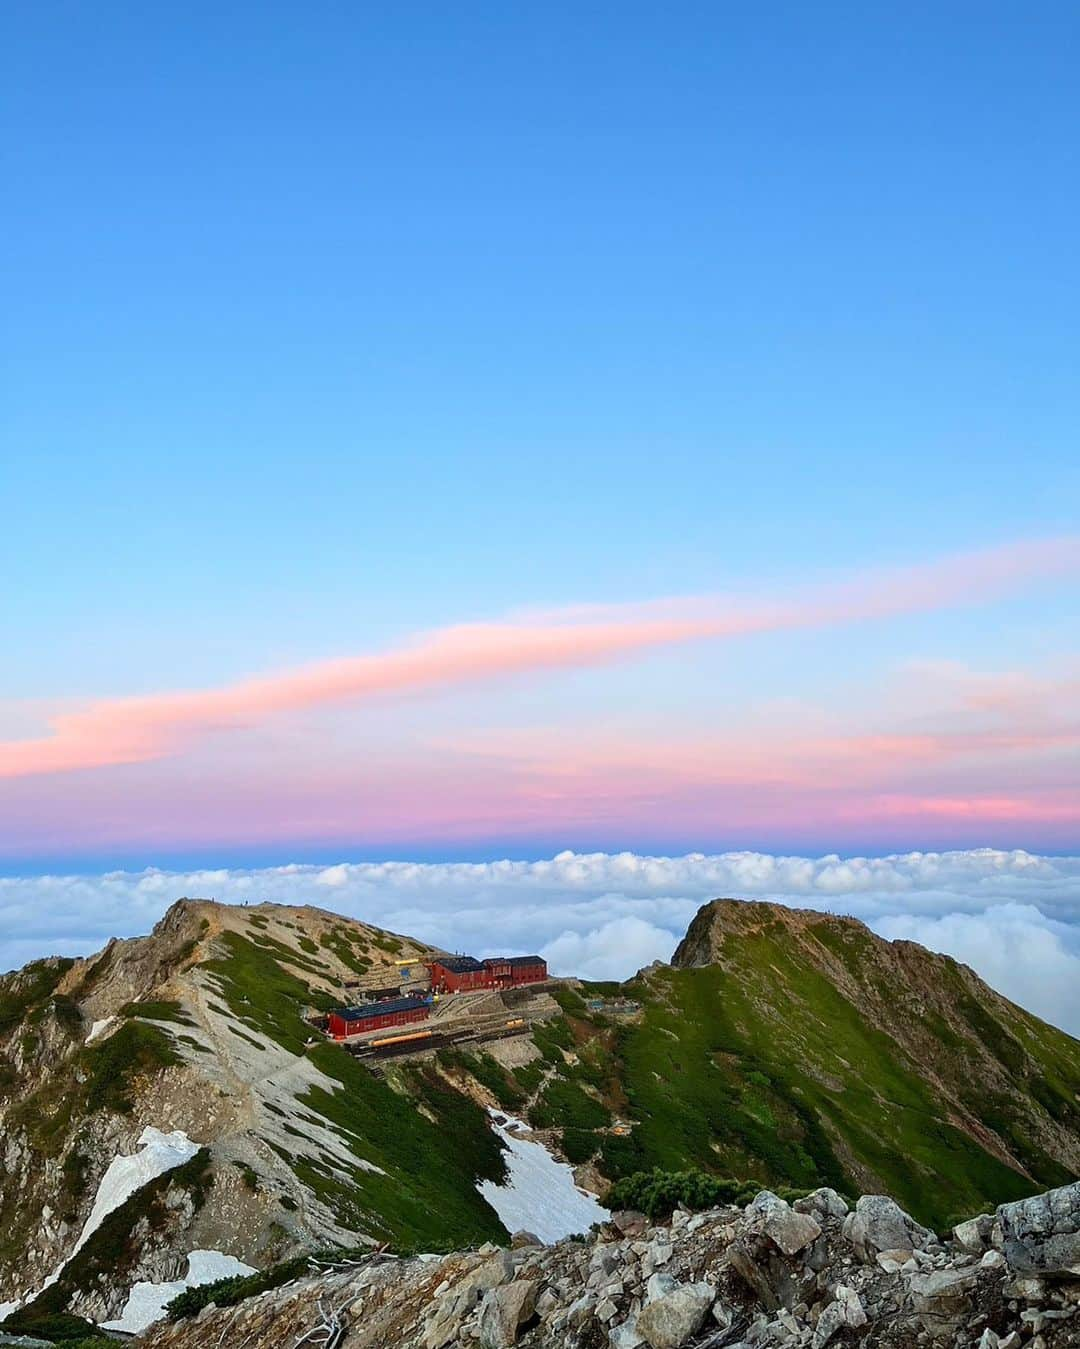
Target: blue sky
{"points": [[331, 325]]}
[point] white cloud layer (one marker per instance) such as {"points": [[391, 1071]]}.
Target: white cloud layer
{"points": [[1013, 916]]}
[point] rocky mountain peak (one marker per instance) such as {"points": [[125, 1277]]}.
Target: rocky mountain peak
{"points": [[721, 920]]}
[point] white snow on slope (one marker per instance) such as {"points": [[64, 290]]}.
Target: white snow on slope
{"points": [[99, 1028], [147, 1301], [540, 1194], [159, 1153]]}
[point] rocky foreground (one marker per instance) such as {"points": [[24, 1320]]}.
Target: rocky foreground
{"points": [[770, 1276]]}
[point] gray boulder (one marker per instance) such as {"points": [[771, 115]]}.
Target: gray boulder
{"points": [[629, 1222], [878, 1223], [788, 1230], [1041, 1235], [445, 1318], [504, 1310], [659, 1285], [447, 1311], [497, 1269], [942, 1298], [778, 1278], [822, 1203], [676, 1317], [626, 1336], [845, 1310], [974, 1236]]}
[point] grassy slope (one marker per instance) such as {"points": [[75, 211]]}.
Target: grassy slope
{"points": [[24, 991], [765, 1069], [432, 1158]]}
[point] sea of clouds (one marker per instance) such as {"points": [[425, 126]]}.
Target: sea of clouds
{"points": [[1013, 916]]}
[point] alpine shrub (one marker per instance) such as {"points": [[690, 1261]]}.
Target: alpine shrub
{"points": [[656, 1193]]}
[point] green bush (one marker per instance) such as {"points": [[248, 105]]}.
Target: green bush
{"points": [[621, 1155], [656, 1193], [488, 1072], [570, 1001], [23, 989], [551, 1037], [71, 1331], [529, 1075], [228, 1292], [579, 1145], [262, 995], [339, 944], [249, 1176]]}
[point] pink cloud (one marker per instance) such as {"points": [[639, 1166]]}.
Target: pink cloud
{"points": [[962, 781], [440, 803], [987, 808], [129, 730]]}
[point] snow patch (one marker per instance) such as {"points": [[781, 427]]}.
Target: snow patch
{"points": [[147, 1301], [159, 1153], [540, 1194], [125, 1174], [98, 1029]]}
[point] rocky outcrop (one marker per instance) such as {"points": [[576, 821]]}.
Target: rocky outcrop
{"points": [[770, 1276], [675, 1316], [880, 1225], [504, 1311], [1042, 1235]]}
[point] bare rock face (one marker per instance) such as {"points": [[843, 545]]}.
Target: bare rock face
{"points": [[629, 1222], [504, 1310], [880, 1224], [943, 1298], [1041, 1235], [775, 1252], [845, 1310], [823, 1202], [673, 1319], [976, 1235], [789, 1230], [93, 1050]]}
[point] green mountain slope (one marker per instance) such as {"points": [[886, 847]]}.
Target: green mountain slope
{"points": [[800, 1049]]}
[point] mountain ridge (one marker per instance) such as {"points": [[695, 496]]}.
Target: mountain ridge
{"points": [[780, 1046]]}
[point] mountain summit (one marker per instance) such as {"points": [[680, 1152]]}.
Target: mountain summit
{"points": [[927, 1083]]}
